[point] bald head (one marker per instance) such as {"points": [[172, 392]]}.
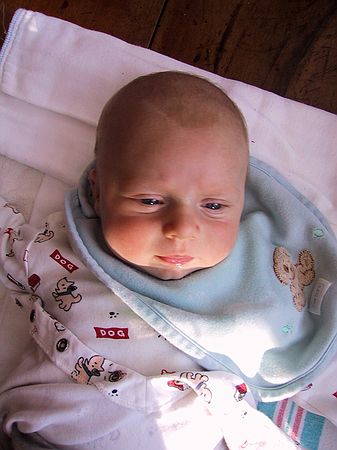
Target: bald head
{"points": [[187, 100], [169, 182]]}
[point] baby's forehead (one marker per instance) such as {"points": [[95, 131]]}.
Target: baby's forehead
{"points": [[164, 98], [190, 100]]}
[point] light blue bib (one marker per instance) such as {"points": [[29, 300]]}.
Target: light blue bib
{"points": [[267, 313]]}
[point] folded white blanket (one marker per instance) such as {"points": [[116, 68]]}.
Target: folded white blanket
{"points": [[54, 79]]}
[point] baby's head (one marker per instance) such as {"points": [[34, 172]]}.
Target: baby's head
{"points": [[171, 164]]}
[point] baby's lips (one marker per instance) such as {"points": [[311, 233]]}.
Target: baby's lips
{"points": [[176, 259]]}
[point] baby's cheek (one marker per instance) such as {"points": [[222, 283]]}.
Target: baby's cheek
{"points": [[222, 241], [128, 237]]}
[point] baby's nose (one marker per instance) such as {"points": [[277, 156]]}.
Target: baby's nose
{"points": [[181, 224]]}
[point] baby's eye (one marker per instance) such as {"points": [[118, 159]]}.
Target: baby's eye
{"points": [[151, 201], [214, 206]]}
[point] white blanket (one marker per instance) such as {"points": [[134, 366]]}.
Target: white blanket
{"points": [[54, 80]]}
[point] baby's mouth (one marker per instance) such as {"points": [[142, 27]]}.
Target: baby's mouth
{"points": [[177, 260]]}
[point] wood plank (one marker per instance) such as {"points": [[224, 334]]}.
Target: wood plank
{"points": [[315, 80], [193, 31], [282, 46], [133, 21]]}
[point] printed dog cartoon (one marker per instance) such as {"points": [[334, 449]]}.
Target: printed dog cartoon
{"points": [[199, 382], [85, 369], [45, 235], [13, 236], [296, 275], [13, 208], [240, 392], [64, 294]]}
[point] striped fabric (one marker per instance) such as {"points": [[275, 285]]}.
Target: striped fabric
{"points": [[302, 426]]}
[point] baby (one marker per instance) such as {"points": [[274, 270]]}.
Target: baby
{"points": [[171, 164], [170, 277]]}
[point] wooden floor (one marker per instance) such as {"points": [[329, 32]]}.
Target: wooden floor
{"points": [[285, 46]]}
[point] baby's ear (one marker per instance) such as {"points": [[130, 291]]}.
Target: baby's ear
{"points": [[94, 186]]}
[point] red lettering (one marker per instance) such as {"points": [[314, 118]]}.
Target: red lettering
{"points": [[112, 333], [64, 262]]}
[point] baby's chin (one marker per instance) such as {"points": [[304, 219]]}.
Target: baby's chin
{"points": [[171, 272], [175, 272], [167, 274]]}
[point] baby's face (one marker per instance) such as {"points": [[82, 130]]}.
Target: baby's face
{"points": [[171, 203]]}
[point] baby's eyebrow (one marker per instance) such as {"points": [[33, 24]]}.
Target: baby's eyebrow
{"points": [[140, 192]]}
